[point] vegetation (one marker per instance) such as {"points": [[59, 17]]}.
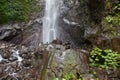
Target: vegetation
{"points": [[104, 58], [21, 10], [69, 76], [16, 10], [113, 16]]}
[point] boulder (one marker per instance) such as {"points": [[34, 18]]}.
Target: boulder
{"points": [[7, 32]]}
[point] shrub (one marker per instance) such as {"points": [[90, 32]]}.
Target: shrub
{"points": [[15, 10], [69, 76], [104, 58]]}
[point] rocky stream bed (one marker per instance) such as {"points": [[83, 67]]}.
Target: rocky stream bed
{"points": [[46, 62]]}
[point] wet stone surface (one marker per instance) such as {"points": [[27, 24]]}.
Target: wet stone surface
{"points": [[56, 58], [18, 63]]}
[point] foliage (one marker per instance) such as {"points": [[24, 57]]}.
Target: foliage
{"points": [[114, 14], [15, 10], [113, 19], [69, 76], [104, 58]]}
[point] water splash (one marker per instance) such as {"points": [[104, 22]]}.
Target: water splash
{"points": [[1, 58], [14, 75], [69, 22], [16, 54], [50, 20]]}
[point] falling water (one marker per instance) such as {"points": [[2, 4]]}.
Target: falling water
{"points": [[50, 20]]}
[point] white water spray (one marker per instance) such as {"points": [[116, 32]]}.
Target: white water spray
{"points": [[16, 54], [1, 58], [50, 20]]}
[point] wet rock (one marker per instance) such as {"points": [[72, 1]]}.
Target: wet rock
{"points": [[24, 56], [9, 78], [67, 45], [113, 43], [6, 55], [3, 75], [30, 36], [21, 64], [2, 62], [68, 60], [50, 48], [12, 58], [117, 72], [24, 49], [51, 59], [73, 21], [7, 32], [57, 42], [27, 63], [2, 45], [1, 72], [97, 10], [39, 54], [59, 47], [104, 41]]}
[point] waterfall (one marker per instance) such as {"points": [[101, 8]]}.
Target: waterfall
{"points": [[50, 20]]}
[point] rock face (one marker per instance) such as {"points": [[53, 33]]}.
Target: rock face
{"points": [[104, 40], [66, 60], [73, 21], [77, 24], [97, 9], [20, 63], [55, 60], [27, 33], [7, 32], [113, 43]]}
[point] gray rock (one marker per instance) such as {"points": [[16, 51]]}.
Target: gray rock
{"points": [[9, 31], [12, 58], [27, 63]]}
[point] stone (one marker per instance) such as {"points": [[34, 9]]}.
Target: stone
{"points": [[26, 55], [12, 59], [6, 55], [73, 21], [27, 63], [57, 42], [24, 49], [7, 32], [67, 45], [39, 54]]}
